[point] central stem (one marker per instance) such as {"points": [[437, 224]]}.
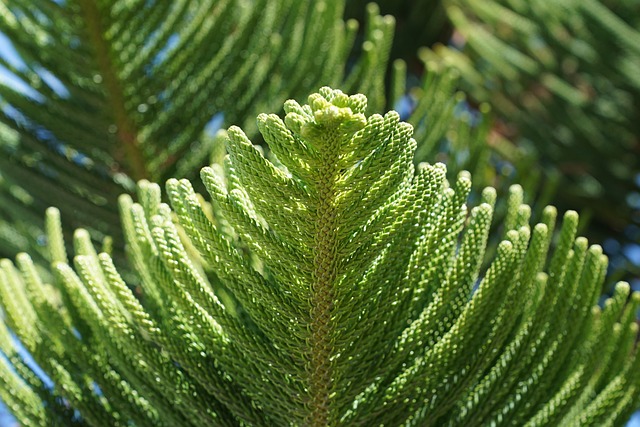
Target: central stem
{"points": [[325, 271], [127, 132]]}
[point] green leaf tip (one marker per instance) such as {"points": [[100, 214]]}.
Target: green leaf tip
{"points": [[327, 111]]}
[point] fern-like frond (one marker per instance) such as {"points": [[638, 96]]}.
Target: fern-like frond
{"points": [[351, 292]]}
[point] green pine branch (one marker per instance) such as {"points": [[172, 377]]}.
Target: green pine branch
{"points": [[350, 290]]}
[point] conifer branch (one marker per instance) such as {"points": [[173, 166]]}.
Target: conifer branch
{"points": [[348, 290]]}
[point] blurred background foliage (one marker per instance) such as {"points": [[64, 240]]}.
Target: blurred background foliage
{"points": [[97, 94]]}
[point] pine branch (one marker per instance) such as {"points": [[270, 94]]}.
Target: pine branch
{"points": [[350, 290]]}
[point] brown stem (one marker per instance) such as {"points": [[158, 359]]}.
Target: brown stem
{"points": [[325, 263], [127, 132]]}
